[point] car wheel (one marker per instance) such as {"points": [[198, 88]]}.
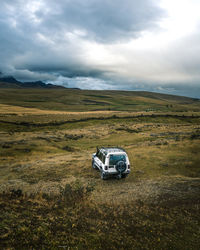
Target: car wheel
{"points": [[124, 175], [103, 176], [119, 176], [93, 165]]}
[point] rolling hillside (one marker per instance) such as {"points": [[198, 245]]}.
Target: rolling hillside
{"points": [[93, 100]]}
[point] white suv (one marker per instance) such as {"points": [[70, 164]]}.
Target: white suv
{"points": [[111, 161]]}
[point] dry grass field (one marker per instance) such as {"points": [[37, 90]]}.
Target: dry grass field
{"points": [[51, 197]]}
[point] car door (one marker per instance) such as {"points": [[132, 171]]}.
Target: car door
{"points": [[97, 159]]}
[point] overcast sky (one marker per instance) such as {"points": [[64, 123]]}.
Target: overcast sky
{"points": [[103, 44]]}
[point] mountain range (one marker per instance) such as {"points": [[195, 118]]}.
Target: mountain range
{"points": [[11, 82]]}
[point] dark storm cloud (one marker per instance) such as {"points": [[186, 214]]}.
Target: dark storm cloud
{"points": [[67, 70], [44, 36], [75, 43], [103, 20]]}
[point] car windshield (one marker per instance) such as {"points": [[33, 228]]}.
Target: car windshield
{"points": [[115, 158]]}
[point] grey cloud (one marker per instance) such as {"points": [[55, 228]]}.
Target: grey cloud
{"points": [[87, 82], [46, 40], [23, 25], [185, 55], [105, 21], [191, 90]]}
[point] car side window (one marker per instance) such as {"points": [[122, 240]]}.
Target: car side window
{"points": [[111, 161], [101, 156], [103, 159]]}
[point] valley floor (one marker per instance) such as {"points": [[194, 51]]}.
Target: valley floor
{"points": [[51, 197]]}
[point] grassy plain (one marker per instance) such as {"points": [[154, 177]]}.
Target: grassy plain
{"points": [[51, 197]]}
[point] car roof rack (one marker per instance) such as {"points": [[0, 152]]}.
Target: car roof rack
{"points": [[108, 149]]}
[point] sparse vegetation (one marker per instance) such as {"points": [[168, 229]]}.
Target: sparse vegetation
{"points": [[49, 194], [85, 100]]}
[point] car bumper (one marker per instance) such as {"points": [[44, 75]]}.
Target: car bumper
{"points": [[109, 173]]}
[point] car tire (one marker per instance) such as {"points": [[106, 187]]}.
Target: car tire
{"points": [[124, 175], [118, 177], [103, 177], [93, 165]]}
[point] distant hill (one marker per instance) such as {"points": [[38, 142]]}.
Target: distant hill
{"points": [[68, 99], [11, 82]]}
